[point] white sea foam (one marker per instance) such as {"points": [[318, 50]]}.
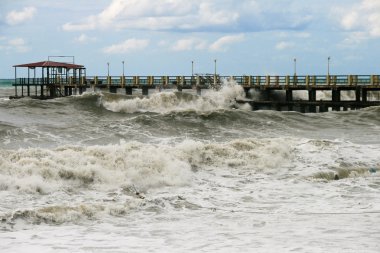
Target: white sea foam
{"points": [[166, 102], [146, 166], [192, 192]]}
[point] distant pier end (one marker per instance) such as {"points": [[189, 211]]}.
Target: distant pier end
{"points": [[58, 79], [49, 79]]}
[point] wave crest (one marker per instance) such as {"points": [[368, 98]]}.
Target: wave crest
{"points": [[167, 102]]}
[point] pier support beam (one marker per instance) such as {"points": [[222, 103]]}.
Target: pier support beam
{"points": [[113, 89], [81, 90], [312, 98], [323, 108], [312, 95], [128, 90], [336, 99], [52, 91], [289, 98], [179, 88], [145, 90], [266, 95], [358, 94], [364, 95], [247, 93]]}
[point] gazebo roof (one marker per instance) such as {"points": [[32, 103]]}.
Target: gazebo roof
{"points": [[50, 64]]}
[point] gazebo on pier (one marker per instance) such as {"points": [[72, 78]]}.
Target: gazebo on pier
{"points": [[55, 79]]}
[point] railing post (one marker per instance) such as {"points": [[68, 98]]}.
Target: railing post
{"points": [[307, 81], [295, 80], [198, 81], [180, 83], [267, 80], [136, 80], [122, 81], [109, 79], [245, 81], [287, 80], [258, 80]]}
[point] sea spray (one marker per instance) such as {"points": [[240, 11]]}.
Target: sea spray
{"points": [[166, 102]]}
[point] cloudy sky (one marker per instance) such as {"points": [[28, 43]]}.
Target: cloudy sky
{"points": [[163, 37]]}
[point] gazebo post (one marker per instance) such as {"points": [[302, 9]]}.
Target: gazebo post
{"points": [[16, 81], [42, 83], [22, 87], [28, 88], [34, 81]]}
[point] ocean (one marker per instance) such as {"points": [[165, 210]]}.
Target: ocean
{"points": [[177, 172]]}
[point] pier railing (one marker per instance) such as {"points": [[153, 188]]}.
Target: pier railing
{"points": [[206, 80], [249, 81]]}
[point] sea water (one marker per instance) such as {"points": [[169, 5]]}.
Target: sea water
{"points": [[177, 172]]}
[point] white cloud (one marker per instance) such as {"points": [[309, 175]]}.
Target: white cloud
{"points": [[16, 45], [282, 45], [16, 42], [83, 39], [362, 18], [18, 17], [353, 39], [189, 44], [222, 43], [190, 16], [127, 46]]}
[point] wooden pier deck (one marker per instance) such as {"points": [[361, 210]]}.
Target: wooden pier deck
{"points": [[366, 88]]}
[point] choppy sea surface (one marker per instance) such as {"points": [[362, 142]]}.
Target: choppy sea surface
{"points": [[177, 172]]}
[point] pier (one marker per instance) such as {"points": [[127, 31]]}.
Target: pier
{"points": [[285, 93]]}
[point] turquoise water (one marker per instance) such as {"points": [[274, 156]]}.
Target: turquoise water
{"points": [[6, 82]]}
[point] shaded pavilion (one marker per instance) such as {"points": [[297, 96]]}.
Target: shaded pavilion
{"points": [[52, 77]]}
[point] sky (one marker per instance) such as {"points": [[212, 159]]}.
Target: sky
{"points": [[164, 37]]}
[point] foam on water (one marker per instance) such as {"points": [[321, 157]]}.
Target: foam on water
{"points": [[146, 166], [133, 166], [166, 102]]}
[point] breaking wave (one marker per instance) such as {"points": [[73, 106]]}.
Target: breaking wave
{"points": [[144, 165], [92, 181], [166, 102]]}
